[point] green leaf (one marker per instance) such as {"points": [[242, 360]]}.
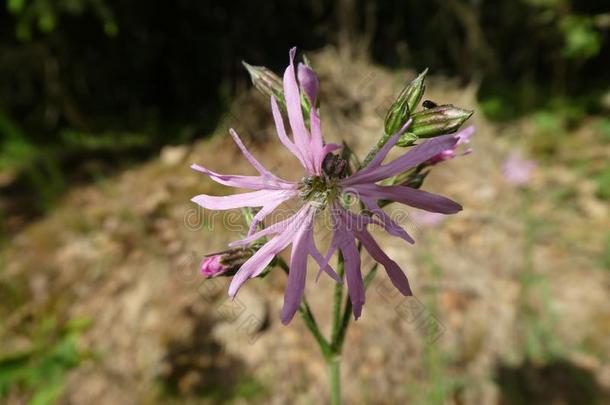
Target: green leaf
{"points": [[15, 6]]}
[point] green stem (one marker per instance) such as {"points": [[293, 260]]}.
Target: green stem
{"points": [[380, 142], [331, 351], [336, 331], [312, 325], [347, 312], [334, 369]]}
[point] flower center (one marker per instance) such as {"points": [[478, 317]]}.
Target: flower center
{"points": [[324, 189], [320, 190]]}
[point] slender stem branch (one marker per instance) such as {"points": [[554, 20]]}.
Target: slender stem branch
{"points": [[334, 363], [312, 325], [370, 276], [338, 299], [282, 263], [380, 142], [347, 313]]}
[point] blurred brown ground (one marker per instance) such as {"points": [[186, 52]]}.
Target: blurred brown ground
{"points": [[513, 283]]}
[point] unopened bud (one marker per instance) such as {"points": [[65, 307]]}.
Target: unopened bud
{"points": [[397, 116], [414, 91], [225, 263], [407, 139], [405, 104], [334, 166], [444, 119], [271, 84], [267, 82]]}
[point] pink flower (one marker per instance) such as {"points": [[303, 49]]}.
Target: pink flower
{"points": [[428, 219], [518, 171], [463, 138], [211, 266], [317, 191]]}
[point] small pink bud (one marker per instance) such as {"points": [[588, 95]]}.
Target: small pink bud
{"points": [[211, 266]]}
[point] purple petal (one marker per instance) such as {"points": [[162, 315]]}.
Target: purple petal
{"points": [[295, 286], [309, 82], [275, 228], [385, 149], [396, 275], [257, 263], [353, 276], [347, 244], [387, 223], [281, 132], [317, 142], [295, 114], [330, 147], [410, 196], [343, 220], [463, 136], [329, 254], [324, 267], [413, 157], [254, 199], [262, 214], [251, 182], [255, 163]]}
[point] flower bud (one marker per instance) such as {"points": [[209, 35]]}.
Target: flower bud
{"points": [[444, 119], [407, 139], [271, 84], [309, 83], [334, 166], [225, 263], [396, 117], [405, 104], [211, 266], [414, 91], [267, 82]]}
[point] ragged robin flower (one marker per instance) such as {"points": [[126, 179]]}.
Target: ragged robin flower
{"points": [[324, 186]]}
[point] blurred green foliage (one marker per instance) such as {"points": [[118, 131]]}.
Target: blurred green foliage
{"points": [[582, 39], [605, 256], [16, 150], [603, 184], [43, 15], [41, 369], [603, 128], [114, 81]]}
